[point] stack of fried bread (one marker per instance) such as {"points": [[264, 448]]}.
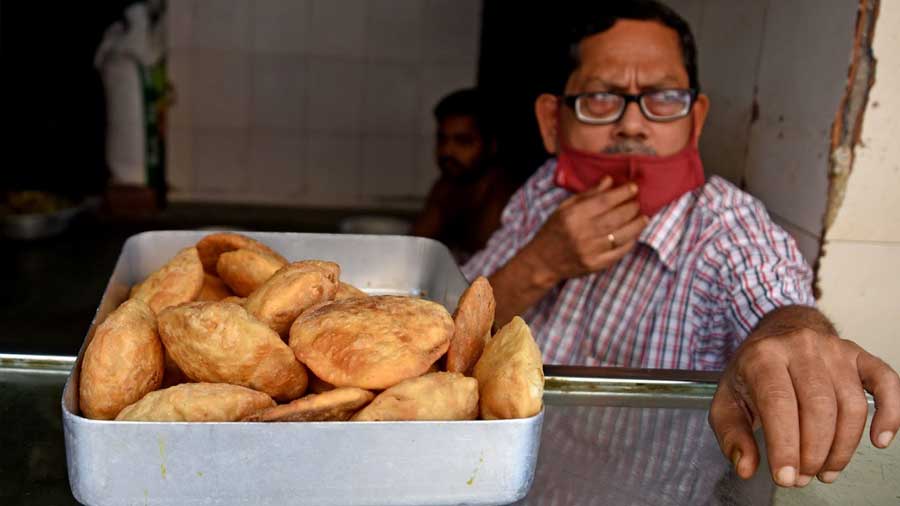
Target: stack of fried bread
{"points": [[229, 330]]}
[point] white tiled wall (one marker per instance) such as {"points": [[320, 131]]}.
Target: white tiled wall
{"points": [[788, 61], [313, 102], [729, 63], [859, 285], [802, 78]]}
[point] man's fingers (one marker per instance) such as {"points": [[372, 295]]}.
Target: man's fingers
{"points": [[773, 394], [604, 259], [623, 235], [604, 185], [817, 411], [626, 240], [734, 432], [631, 230], [851, 421], [598, 203], [617, 217], [884, 385]]}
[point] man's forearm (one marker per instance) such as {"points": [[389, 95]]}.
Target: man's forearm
{"points": [[519, 284], [791, 319]]}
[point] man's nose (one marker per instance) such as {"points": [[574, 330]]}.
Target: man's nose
{"points": [[632, 124]]}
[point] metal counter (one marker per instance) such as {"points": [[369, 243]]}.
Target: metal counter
{"points": [[610, 437]]}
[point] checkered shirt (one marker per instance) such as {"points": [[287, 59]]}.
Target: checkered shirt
{"points": [[705, 270]]}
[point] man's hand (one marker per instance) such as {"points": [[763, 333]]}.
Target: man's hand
{"points": [[588, 232], [805, 386], [576, 239]]}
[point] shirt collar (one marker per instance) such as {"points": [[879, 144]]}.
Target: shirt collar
{"points": [[666, 227]]}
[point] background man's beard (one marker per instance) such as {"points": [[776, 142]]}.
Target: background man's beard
{"points": [[629, 148], [452, 168], [450, 165]]}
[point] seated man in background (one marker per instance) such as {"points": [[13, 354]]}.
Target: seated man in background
{"points": [[618, 252], [464, 205]]}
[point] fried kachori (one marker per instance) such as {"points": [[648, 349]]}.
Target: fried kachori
{"points": [[197, 402], [212, 246], [123, 362], [245, 270], [433, 396], [510, 374], [220, 342], [213, 289], [291, 290], [335, 405], [348, 291], [371, 342], [472, 319], [178, 281]]}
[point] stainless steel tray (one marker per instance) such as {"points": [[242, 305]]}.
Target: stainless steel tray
{"points": [[358, 463]]}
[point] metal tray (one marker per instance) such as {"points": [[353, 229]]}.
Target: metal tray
{"points": [[346, 463]]}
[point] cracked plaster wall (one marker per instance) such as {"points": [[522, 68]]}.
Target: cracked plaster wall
{"points": [[859, 271]]}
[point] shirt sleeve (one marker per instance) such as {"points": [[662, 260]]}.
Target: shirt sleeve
{"points": [[762, 269]]}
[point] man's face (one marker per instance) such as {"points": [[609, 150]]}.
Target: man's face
{"points": [[459, 149], [632, 57]]}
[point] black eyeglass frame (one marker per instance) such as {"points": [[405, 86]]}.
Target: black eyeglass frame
{"points": [[572, 101]]}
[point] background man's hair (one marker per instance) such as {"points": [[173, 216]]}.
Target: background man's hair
{"points": [[467, 102], [591, 18]]}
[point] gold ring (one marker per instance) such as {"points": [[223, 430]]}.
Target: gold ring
{"points": [[612, 241]]}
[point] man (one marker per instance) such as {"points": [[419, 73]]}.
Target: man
{"points": [[620, 254], [464, 205]]}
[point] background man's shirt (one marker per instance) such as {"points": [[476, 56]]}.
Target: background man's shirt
{"points": [[705, 270]]}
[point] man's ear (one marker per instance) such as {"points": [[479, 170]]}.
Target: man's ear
{"points": [[546, 109], [699, 113]]}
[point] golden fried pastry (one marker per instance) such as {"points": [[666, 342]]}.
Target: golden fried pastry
{"points": [[473, 318], [335, 405], [371, 342], [220, 342], [173, 375], [245, 270], [122, 363], [234, 299], [510, 374], [197, 402], [210, 247], [213, 289], [292, 290], [434, 396], [317, 385], [348, 291], [175, 283]]}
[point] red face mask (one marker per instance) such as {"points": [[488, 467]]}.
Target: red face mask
{"points": [[661, 179]]}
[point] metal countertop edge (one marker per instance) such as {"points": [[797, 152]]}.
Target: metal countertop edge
{"points": [[559, 380], [606, 385]]}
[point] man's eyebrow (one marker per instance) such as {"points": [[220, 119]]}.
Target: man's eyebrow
{"points": [[599, 81], [666, 81]]}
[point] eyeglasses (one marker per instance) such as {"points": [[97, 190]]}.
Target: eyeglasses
{"points": [[603, 108]]}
